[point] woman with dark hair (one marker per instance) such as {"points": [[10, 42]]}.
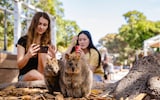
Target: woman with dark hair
{"points": [[87, 49], [34, 48]]}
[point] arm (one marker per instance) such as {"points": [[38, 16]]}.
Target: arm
{"points": [[22, 58], [93, 61], [74, 40], [42, 57], [68, 51]]}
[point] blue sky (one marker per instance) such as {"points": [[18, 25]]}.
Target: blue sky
{"points": [[106, 16]]}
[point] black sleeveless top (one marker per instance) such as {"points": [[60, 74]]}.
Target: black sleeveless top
{"points": [[32, 63]]}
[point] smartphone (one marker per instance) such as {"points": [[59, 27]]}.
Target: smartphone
{"points": [[43, 49], [77, 48]]}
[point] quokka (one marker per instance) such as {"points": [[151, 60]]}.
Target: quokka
{"points": [[75, 77], [51, 75]]}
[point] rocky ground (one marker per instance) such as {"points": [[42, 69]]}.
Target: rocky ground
{"points": [[11, 92], [140, 83]]}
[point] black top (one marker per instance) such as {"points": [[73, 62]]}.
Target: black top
{"points": [[32, 63]]}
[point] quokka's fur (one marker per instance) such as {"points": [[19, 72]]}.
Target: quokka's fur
{"points": [[75, 77], [51, 75]]}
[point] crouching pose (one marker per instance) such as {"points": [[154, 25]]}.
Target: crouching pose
{"points": [[75, 76], [51, 75]]}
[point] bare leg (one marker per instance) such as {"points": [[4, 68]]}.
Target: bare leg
{"points": [[109, 77], [33, 75]]}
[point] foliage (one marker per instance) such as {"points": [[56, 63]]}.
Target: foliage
{"points": [[137, 29], [65, 29], [8, 20], [131, 36], [115, 44], [112, 42]]}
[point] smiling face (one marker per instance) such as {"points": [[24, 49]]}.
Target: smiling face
{"points": [[83, 41], [42, 25]]}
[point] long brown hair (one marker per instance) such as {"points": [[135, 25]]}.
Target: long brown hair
{"points": [[31, 34]]}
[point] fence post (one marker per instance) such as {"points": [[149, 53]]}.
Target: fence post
{"points": [[17, 23], [5, 30], [53, 33]]}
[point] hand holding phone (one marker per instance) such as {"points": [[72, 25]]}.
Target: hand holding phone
{"points": [[77, 48]]}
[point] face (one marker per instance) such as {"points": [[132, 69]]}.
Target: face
{"points": [[42, 25], [83, 41]]}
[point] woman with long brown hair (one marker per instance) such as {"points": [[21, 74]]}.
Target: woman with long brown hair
{"points": [[34, 48]]}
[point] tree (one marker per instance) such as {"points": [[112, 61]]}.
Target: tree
{"points": [[115, 44], [137, 29], [131, 35]]}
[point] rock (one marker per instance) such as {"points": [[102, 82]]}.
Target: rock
{"points": [[135, 82]]}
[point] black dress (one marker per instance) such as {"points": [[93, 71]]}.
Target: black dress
{"points": [[32, 63]]}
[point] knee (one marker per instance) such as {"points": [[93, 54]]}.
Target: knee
{"points": [[34, 75]]}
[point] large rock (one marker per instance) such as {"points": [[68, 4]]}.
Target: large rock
{"points": [[142, 78]]}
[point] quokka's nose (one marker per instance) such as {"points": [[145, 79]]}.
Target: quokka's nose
{"points": [[72, 69]]}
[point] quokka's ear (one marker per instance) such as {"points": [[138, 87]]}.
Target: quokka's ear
{"points": [[66, 56]]}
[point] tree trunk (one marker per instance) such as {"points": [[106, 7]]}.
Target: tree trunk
{"points": [[143, 77]]}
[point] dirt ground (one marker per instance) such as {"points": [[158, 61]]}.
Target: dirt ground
{"points": [[99, 92], [13, 93]]}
